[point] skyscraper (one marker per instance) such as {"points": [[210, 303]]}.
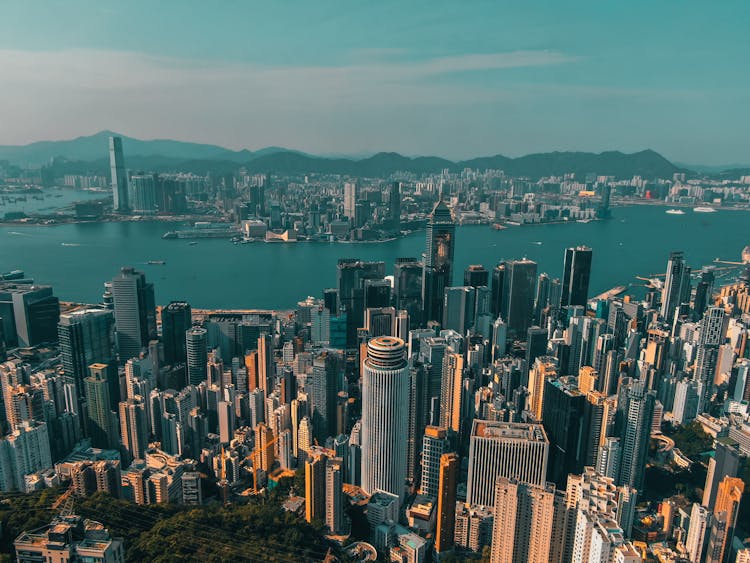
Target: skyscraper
{"points": [[86, 337], [315, 486], [385, 402], [135, 312], [394, 206], [133, 428], [563, 417], [504, 449], [637, 415], [176, 319], [446, 499], [438, 260], [322, 386], [476, 275], [351, 197], [450, 392], [118, 175], [100, 421], [334, 501], [196, 352], [142, 193], [676, 289], [407, 287], [576, 274], [524, 521], [434, 445], [517, 305], [458, 308]]}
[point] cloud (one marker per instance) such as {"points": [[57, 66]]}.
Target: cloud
{"points": [[53, 94]]}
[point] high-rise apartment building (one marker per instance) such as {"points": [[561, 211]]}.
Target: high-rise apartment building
{"points": [[524, 522]]}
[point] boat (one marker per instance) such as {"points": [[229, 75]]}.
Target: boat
{"points": [[675, 212], [192, 243], [704, 210], [156, 262], [498, 226]]}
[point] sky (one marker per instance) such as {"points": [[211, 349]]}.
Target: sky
{"points": [[456, 79]]}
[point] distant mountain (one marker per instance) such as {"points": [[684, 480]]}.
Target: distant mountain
{"points": [[648, 164], [90, 154], [94, 147]]}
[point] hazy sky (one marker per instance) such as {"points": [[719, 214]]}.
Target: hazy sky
{"points": [[457, 79]]}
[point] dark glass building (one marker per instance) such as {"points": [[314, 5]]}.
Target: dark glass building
{"points": [[438, 260], [576, 274]]}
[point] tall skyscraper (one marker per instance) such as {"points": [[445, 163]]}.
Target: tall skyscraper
{"points": [[118, 175], [524, 522], [100, 420], [394, 206], [385, 405], [351, 197], [434, 445], [517, 305], [334, 503], [407, 287], [476, 275], [86, 337], [176, 319], [676, 289], [196, 351], [315, 486], [459, 304], [135, 312], [322, 386], [450, 392], [504, 449], [438, 260], [637, 414], [133, 428], [724, 519], [563, 417], [576, 274], [446, 499], [496, 289]]}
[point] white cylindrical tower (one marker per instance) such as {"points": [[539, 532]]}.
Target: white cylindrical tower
{"points": [[385, 408]]}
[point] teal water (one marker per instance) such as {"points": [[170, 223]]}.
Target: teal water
{"points": [[52, 199], [77, 258]]}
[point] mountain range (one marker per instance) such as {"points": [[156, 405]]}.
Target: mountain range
{"points": [[90, 155]]}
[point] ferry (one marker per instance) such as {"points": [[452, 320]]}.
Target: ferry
{"points": [[704, 210], [675, 212]]}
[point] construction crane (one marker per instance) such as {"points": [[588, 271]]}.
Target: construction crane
{"points": [[64, 503]]}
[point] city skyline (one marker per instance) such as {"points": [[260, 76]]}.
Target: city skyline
{"points": [[521, 79]]}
